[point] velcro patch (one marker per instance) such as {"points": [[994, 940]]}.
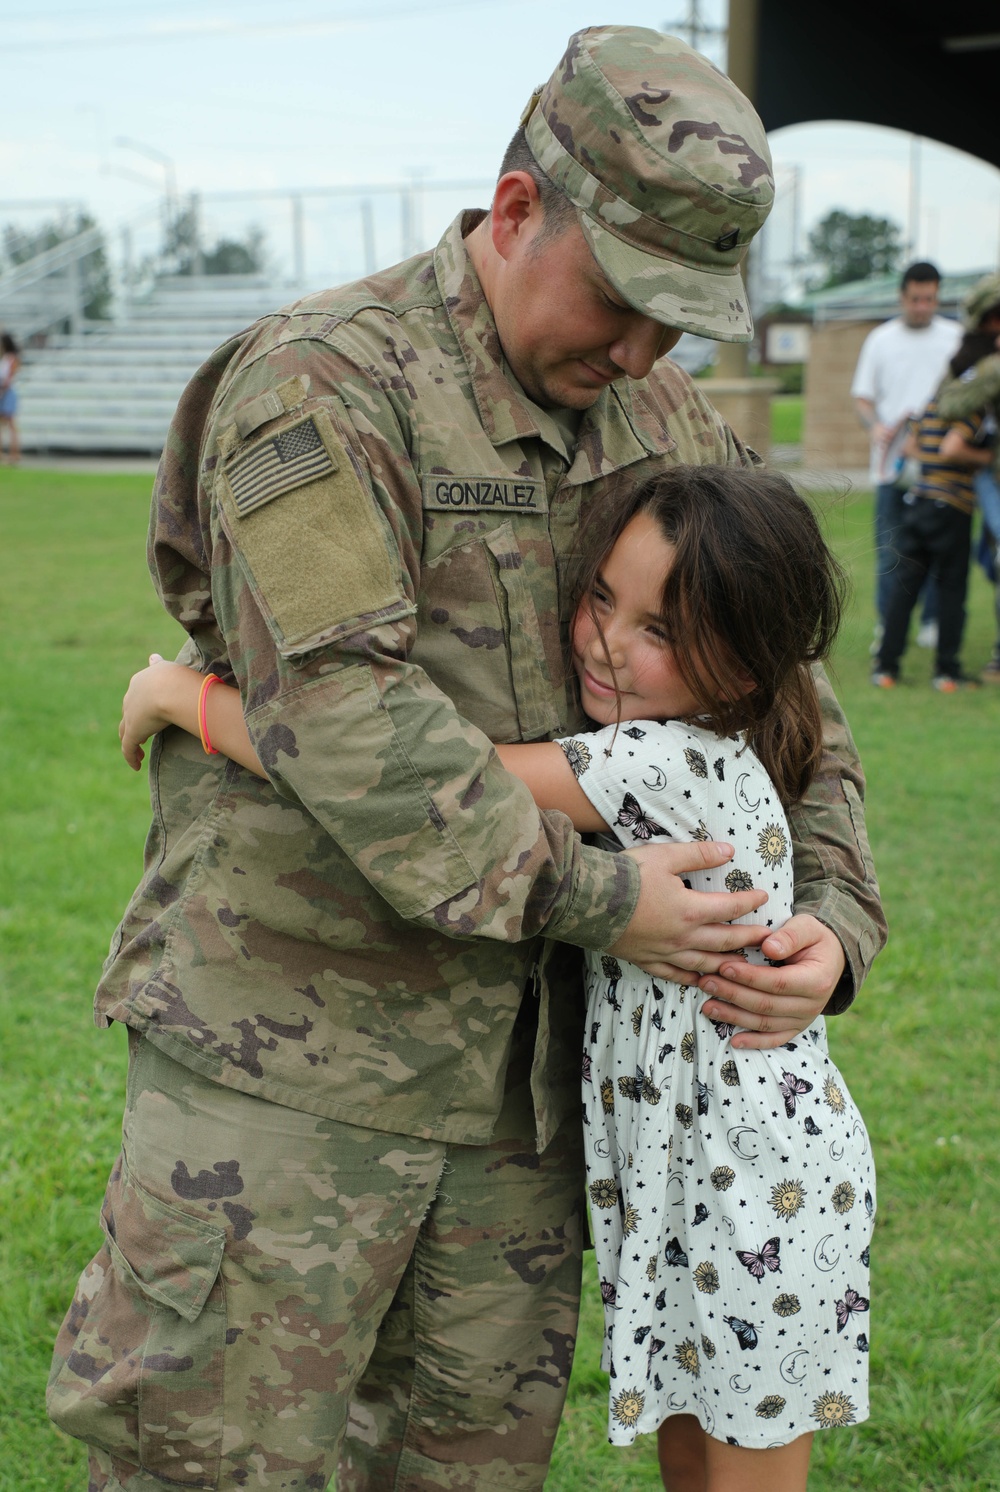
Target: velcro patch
{"points": [[290, 459], [321, 563], [444, 494]]}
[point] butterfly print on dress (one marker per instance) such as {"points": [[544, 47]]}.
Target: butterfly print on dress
{"points": [[852, 1305], [793, 1088], [631, 816], [675, 1255], [767, 1259], [746, 1332]]}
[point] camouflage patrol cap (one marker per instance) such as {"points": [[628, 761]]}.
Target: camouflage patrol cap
{"points": [[668, 165], [980, 300]]}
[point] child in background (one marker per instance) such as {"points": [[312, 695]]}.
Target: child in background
{"points": [[10, 363], [731, 1191]]}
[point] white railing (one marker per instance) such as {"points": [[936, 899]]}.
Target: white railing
{"points": [[48, 289], [313, 236]]}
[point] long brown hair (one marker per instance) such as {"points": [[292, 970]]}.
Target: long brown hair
{"points": [[753, 597]]}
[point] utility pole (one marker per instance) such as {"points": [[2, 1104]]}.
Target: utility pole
{"points": [[693, 29], [913, 226]]}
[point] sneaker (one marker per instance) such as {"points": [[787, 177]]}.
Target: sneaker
{"points": [[875, 646], [884, 680], [991, 673], [927, 635], [945, 684]]}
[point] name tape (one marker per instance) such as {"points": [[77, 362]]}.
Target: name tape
{"points": [[458, 494]]}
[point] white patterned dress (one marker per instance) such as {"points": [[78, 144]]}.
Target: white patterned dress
{"points": [[732, 1192]]}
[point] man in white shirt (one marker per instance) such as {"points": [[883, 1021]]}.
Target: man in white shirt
{"points": [[901, 364]]}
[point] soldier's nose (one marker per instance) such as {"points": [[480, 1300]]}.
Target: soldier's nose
{"points": [[637, 351]]}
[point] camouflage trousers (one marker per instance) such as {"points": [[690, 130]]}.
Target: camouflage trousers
{"points": [[278, 1293]]}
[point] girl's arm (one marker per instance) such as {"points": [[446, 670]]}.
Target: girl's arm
{"points": [[167, 694], [548, 776]]}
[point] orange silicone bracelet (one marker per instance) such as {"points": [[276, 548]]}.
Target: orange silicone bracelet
{"points": [[207, 682]]}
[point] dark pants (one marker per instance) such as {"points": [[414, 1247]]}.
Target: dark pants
{"points": [[889, 510], [934, 540]]}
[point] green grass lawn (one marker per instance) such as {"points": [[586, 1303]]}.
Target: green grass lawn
{"points": [[786, 419], [79, 616]]}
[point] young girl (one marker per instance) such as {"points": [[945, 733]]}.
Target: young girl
{"points": [[10, 363], [731, 1191]]}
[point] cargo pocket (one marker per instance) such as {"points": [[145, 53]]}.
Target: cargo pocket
{"points": [[138, 1367], [536, 714], [478, 637]]}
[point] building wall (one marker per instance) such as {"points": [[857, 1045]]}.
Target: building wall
{"points": [[832, 436]]}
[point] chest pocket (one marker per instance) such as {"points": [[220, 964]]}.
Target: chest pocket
{"points": [[478, 637]]}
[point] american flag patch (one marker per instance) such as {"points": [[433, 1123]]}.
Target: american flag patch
{"points": [[288, 460]]}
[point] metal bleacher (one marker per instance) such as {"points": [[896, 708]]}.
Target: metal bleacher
{"points": [[114, 390]]}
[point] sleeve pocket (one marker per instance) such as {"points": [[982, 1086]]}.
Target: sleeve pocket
{"points": [[139, 1358]]}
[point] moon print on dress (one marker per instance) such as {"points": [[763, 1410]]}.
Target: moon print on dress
{"points": [[719, 1213]]}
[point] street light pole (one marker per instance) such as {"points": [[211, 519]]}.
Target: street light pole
{"points": [[151, 153]]}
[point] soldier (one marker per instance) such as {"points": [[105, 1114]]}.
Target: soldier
{"points": [[977, 391], [345, 1223]]}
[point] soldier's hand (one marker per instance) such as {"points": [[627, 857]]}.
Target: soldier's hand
{"points": [[676, 933], [775, 1004], [143, 711]]}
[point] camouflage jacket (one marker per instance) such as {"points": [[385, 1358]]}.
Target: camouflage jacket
{"points": [[359, 520], [973, 392]]}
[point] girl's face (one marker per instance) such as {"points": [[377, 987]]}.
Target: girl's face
{"points": [[626, 600]]}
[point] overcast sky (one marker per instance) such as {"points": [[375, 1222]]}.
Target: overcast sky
{"points": [[255, 95]]}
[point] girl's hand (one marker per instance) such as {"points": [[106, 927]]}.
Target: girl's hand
{"points": [[145, 709]]}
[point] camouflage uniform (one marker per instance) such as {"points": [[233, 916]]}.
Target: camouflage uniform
{"points": [[977, 391], [979, 388], [352, 1130]]}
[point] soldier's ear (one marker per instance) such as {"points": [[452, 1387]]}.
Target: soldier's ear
{"points": [[517, 212]]}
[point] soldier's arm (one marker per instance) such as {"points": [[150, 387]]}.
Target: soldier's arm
{"points": [[823, 953], [835, 879], [958, 398]]}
